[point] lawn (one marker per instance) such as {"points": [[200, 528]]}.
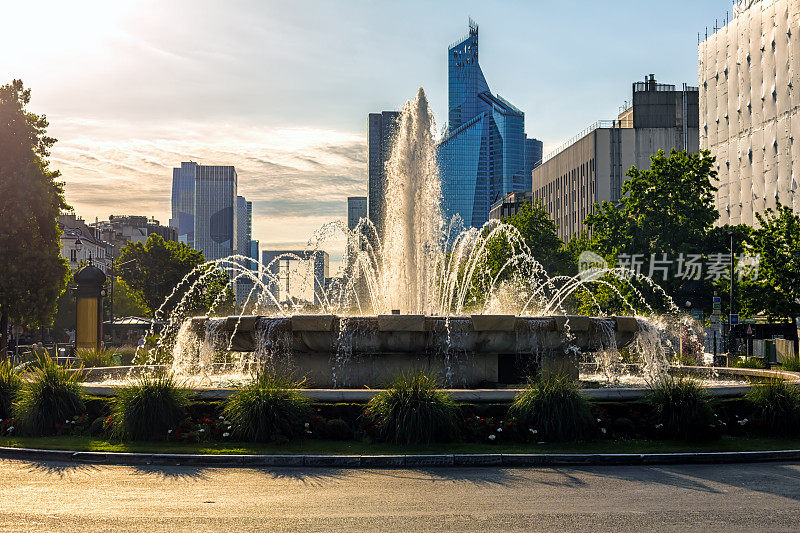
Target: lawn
{"points": [[312, 447]]}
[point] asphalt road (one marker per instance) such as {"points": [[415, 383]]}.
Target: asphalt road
{"points": [[73, 497]]}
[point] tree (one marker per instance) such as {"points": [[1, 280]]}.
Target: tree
{"points": [[128, 302], [539, 234], [666, 209], [774, 289], [156, 267], [32, 274]]}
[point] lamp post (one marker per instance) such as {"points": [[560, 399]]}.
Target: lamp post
{"points": [[730, 301]]}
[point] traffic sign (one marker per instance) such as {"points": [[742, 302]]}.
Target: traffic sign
{"points": [[749, 329], [734, 319], [717, 299], [717, 305]]}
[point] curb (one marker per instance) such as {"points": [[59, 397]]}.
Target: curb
{"points": [[398, 461]]}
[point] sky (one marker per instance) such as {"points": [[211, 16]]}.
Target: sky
{"points": [[282, 89]]}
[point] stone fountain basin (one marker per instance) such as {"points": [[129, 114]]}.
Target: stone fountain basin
{"points": [[422, 334]]}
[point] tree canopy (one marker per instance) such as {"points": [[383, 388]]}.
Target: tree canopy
{"points": [[152, 271], [32, 274], [774, 288]]}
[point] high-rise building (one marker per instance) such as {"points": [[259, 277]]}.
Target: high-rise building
{"points": [[279, 280], [750, 108], [482, 156], [244, 225], [534, 151], [204, 208], [382, 129], [590, 168], [356, 210]]}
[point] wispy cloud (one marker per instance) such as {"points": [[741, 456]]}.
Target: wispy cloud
{"points": [[297, 178]]}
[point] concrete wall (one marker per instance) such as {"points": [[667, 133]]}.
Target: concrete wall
{"points": [[749, 100]]}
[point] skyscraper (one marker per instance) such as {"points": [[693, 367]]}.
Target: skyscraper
{"points": [[203, 208], [356, 210], [382, 130], [244, 225], [482, 156]]}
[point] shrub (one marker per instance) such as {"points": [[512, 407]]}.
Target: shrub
{"points": [[93, 357], [268, 408], [10, 383], [552, 409], [751, 362], [682, 409], [337, 429], [791, 363], [777, 405], [413, 410], [50, 397], [149, 407]]}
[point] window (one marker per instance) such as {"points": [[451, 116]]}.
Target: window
{"points": [[73, 256]]}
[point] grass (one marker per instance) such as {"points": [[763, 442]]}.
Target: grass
{"points": [[682, 409], [91, 357], [51, 395], [267, 409], [149, 407], [10, 383], [751, 362], [728, 444], [554, 409], [412, 410], [778, 405], [791, 364]]}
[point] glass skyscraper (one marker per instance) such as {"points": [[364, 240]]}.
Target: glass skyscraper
{"points": [[204, 208], [483, 154]]}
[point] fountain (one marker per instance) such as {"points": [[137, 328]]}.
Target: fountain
{"points": [[418, 297]]}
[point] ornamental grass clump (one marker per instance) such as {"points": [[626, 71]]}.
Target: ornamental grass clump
{"points": [[552, 409], [268, 408], [791, 363], [682, 409], [91, 357], [412, 410], [149, 407], [777, 406], [51, 396], [10, 383]]}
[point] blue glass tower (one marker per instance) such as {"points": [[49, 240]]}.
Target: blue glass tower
{"points": [[483, 154]]}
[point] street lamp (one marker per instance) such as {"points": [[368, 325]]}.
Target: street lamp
{"points": [[730, 301]]}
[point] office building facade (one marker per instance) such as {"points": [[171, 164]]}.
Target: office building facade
{"points": [[483, 154], [275, 263], [204, 208], [356, 210], [591, 167], [750, 108], [382, 130]]}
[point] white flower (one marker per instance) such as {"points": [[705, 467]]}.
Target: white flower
{"points": [[229, 428], [533, 431], [308, 431], [169, 431], [201, 430], [499, 430], [10, 429], [603, 431], [742, 422], [226, 434], [66, 421], [221, 417], [598, 420], [659, 426], [306, 424], [492, 437]]}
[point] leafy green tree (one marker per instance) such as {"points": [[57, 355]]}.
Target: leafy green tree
{"points": [[32, 273], [155, 268], [128, 302], [774, 290], [666, 209], [539, 234]]}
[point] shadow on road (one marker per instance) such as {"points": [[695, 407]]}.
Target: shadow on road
{"points": [[778, 479], [58, 468]]}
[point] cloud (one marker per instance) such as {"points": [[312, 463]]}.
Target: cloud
{"points": [[297, 178]]}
